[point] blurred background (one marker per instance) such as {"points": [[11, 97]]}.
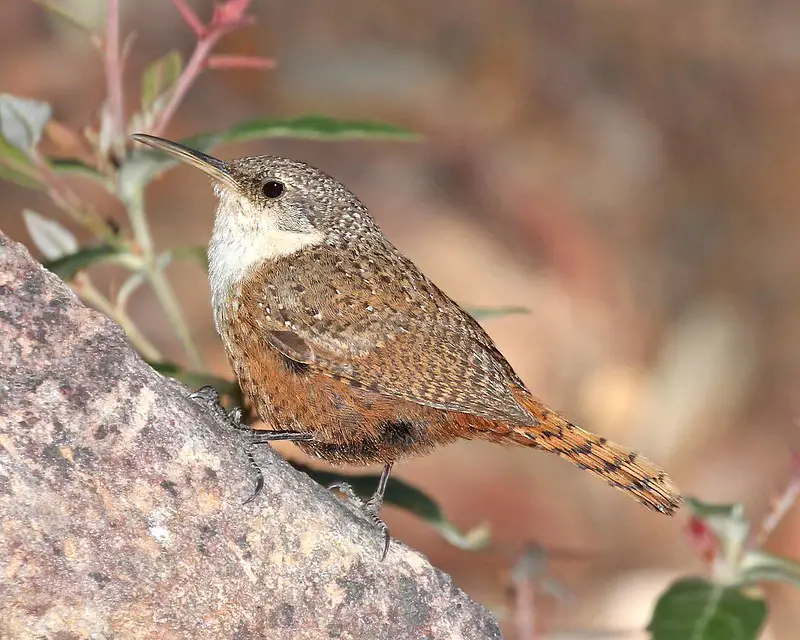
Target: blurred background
{"points": [[628, 171]]}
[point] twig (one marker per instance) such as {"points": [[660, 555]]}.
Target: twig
{"points": [[67, 200], [113, 68], [526, 573], [187, 78], [166, 296], [780, 505], [239, 62], [228, 17], [155, 274], [190, 17]]}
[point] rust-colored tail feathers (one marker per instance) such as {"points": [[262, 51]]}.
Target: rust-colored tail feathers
{"points": [[621, 468]]}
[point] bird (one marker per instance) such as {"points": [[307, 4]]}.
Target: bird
{"points": [[345, 347]]}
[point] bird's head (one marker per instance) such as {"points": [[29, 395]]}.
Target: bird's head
{"points": [[269, 208]]}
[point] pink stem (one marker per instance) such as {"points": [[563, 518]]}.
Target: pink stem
{"points": [[240, 62], [185, 81], [190, 17], [780, 506], [113, 68], [227, 18], [525, 613], [525, 574]]}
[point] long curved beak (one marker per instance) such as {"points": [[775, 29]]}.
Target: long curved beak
{"points": [[209, 165]]}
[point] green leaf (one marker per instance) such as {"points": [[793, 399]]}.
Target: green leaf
{"points": [[144, 165], [66, 17], [67, 266], [485, 313], [10, 153], [22, 120], [9, 174], [73, 166], [195, 380], [159, 78], [731, 527], [17, 167], [760, 566], [408, 498], [52, 238], [314, 127], [699, 610], [713, 512]]}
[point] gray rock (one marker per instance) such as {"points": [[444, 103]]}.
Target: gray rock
{"points": [[121, 510]]}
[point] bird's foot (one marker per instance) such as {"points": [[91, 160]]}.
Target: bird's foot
{"points": [[259, 475], [260, 436], [370, 509], [209, 396]]}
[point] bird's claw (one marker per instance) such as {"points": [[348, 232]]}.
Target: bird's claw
{"points": [[209, 396], [206, 393], [259, 476], [348, 491]]}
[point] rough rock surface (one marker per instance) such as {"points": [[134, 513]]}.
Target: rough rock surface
{"points": [[121, 509]]}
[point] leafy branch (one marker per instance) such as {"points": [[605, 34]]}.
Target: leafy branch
{"points": [[729, 603], [227, 18]]}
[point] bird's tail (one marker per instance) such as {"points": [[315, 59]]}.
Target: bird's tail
{"points": [[621, 468]]}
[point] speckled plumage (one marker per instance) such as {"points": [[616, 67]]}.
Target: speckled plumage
{"points": [[331, 331]]}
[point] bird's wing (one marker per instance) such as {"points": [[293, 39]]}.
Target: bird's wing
{"points": [[379, 324]]}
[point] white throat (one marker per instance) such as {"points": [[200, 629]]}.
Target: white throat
{"points": [[243, 238]]}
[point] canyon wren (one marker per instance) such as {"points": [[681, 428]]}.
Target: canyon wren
{"points": [[344, 346]]}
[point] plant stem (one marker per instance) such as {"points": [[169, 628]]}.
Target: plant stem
{"points": [[227, 18], [113, 68], [86, 290], [159, 282], [239, 62], [194, 68], [166, 296], [527, 571], [780, 506], [139, 224], [190, 17], [66, 199]]}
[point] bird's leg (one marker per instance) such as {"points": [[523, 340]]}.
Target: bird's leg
{"points": [[210, 397], [264, 436], [260, 436], [372, 507], [374, 504]]}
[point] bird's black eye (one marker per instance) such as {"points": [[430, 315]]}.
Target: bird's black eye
{"points": [[272, 189]]}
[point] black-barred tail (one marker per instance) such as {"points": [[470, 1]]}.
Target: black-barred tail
{"points": [[626, 470]]}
